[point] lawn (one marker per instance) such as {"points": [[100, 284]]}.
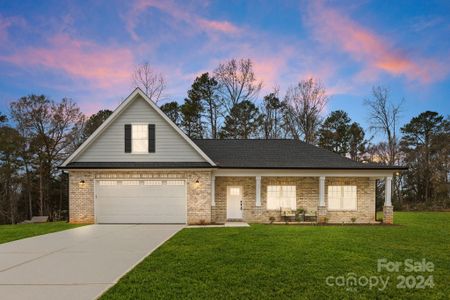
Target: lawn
{"points": [[10, 233], [293, 262]]}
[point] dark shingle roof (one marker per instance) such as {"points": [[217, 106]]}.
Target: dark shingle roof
{"points": [[277, 153]]}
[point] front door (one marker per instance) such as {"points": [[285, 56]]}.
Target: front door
{"points": [[234, 202]]}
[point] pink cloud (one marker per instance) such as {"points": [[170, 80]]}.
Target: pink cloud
{"points": [[102, 66], [183, 16], [364, 45]]}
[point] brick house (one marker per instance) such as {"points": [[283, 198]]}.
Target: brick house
{"points": [[139, 167]]}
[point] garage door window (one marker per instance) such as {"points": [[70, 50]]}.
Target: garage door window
{"points": [[175, 182], [153, 182], [131, 182], [108, 182]]}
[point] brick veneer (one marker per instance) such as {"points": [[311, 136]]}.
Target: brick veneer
{"points": [[307, 198], [81, 197]]}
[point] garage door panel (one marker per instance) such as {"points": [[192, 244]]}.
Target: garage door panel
{"points": [[140, 202]]}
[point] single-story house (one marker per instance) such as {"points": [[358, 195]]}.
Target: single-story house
{"points": [[139, 167]]}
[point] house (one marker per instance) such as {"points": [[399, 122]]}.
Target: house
{"points": [[139, 167]]}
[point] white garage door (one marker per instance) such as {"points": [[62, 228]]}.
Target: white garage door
{"points": [[140, 201]]}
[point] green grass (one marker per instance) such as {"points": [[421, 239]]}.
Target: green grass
{"points": [[10, 233], [290, 262]]}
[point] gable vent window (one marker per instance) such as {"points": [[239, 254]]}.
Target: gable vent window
{"points": [[140, 138]]}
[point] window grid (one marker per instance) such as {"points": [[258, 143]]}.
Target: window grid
{"points": [[342, 197], [139, 138], [175, 182], [152, 182], [281, 196]]}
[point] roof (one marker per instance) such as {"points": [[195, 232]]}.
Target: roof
{"points": [[278, 154], [137, 165]]}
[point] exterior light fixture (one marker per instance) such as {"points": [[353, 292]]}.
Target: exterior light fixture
{"points": [[82, 183], [198, 180]]}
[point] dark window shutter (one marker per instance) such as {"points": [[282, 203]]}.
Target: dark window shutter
{"points": [[127, 138], [151, 138]]}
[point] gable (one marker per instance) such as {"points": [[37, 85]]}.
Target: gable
{"points": [[108, 145]]}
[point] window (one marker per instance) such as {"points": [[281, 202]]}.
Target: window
{"points": [[152, 182], [175, 182], [235, 191], [281, 196], [342, 197], [107, 182], [139, 138], [130, 182]]}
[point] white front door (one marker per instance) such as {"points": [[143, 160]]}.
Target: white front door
{"points": [[234, 202]]}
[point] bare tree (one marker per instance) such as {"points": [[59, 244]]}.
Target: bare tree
{"points": [[272, 110], [305, 102], [384, 117], [237, 82], [150, 81]]}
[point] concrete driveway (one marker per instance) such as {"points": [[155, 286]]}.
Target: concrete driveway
{"points": [[78, 263]]}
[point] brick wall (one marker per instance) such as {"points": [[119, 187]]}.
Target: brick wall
{"points": [[81, 197], [307, 198]]}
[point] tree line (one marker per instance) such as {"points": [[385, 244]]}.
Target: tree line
{"points": [[38, 133]]}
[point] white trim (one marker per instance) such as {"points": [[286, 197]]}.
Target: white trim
{"points": [[322, 191], [213, 190], [302, 173], [388, 191], [258, 190], [118, 111]]}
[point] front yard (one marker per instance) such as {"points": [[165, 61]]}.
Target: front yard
{"points": [[285, 262], [10, 233]]}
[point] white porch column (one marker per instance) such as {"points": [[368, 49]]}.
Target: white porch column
{"points": [[213, 190], [388, 192], [258, 190], [322, 191]]}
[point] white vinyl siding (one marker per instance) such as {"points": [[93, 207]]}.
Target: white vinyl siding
{"points": [[139, 138], [281, 196], [109, 145], [342, 197]]}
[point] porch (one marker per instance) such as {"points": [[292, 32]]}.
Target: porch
{"points": [[256, 196]]}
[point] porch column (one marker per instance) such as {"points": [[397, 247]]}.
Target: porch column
{"points": [[213, 190], [321, 209], [388, 209], [258, 190]]}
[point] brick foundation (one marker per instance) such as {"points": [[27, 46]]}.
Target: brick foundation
{"points": [[388, 214]]}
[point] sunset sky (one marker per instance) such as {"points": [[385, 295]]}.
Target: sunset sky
{"points": [[86, 50]]}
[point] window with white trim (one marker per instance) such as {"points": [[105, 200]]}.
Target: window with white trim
{"points": [[281, 196], [139, 136], [342, 197]]}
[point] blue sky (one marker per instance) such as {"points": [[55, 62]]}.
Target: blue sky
{"points": [[86, 50]]}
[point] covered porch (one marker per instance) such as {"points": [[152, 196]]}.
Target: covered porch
{"points": [[332, 196]]}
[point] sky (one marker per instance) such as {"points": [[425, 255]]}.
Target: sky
{"points": [[87, 50]]}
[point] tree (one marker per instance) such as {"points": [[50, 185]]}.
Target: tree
{"points": [[243, 122], [191, 118], [94, 122], [205, 89], [334, 134], [172, 110], [10, 145], [51, 128], [425, 142], [305, 102], [150, 81], [272, 111], [237, 82], [384, 116], [357, 143]]}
